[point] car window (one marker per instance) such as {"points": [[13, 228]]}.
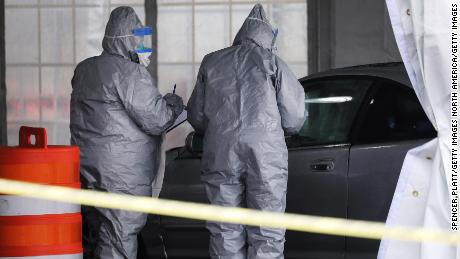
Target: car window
{"points": [[395, 114], [331, 105]]}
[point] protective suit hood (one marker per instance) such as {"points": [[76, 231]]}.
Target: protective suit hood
{"points": [[119, 38], [257, 28]]}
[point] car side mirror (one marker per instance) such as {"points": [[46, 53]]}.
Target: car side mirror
{"points": [[194, 143]]}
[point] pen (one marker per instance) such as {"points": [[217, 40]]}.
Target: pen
{"points": [[174, 90]]}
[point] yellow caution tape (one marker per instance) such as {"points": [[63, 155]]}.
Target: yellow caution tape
{"points": [[304, 223]]}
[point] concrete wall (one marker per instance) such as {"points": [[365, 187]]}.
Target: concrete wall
{"points": [[151, 20], [348, 33], [363, 33], [3, 139]]}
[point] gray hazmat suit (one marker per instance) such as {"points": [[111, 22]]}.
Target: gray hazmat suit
{"points": [[117, 117], [245, 100]]}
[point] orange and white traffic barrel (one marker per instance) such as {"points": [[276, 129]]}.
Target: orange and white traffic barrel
{"points": [[33, 228]]}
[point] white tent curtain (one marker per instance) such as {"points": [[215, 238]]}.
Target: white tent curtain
{"points": [[423, 195]]}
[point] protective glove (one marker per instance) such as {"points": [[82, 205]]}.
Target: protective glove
{"points": [[175, 102]]}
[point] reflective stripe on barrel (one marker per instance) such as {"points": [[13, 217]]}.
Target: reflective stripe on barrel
{"points": [[18, 206]]}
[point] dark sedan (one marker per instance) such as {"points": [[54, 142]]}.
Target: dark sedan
{"points": [[344, 163]]}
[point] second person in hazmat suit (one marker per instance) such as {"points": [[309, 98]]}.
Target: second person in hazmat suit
{"points": [[245, 100], [117, 117]]}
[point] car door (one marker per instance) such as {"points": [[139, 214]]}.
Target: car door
{"points": [[391, 123], [184, 238], [318, 161], [318, 167]]}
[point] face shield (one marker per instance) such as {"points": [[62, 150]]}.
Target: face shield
{"points": [[143, 38]]}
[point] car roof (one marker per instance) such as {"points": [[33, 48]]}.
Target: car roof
{"points": [[394, 71]]}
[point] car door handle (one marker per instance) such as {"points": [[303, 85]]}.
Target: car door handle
{"points": [[322, 165]]}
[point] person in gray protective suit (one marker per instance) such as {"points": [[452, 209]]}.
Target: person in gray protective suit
{"points": [[245, 100], [117, 117]]}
